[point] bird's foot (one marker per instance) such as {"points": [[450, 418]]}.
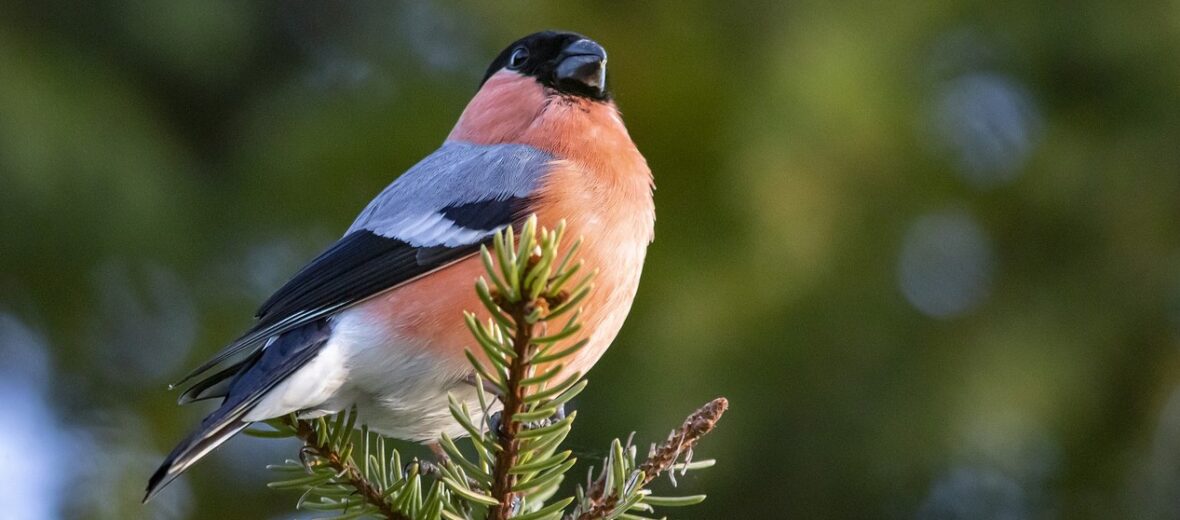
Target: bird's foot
{"points": [[425, 468], [307, 457], [494, 420], [435, 468], [556, 417]]}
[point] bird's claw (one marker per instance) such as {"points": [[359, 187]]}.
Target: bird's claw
{"points": [[425, 467], [307, 456], [558, 416]]}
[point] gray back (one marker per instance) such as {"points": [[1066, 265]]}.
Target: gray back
{"points": [[411, 208]]}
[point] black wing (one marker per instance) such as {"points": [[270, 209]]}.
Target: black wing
{"points": [[358, 266]]}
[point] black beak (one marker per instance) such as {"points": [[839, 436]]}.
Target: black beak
{"points": [[583, 62]]}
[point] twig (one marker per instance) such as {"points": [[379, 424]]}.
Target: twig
{"points": [[502, 479], [679, 442], [346, 468]]}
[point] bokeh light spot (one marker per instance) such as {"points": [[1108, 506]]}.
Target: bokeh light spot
{"points": [[946, 264], [988, 124]]}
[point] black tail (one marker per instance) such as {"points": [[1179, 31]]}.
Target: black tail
{"points": [[246, 386], [213, 432]]}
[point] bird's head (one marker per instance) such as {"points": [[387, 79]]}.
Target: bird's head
{"points": [[565, 63], [528, 77]]}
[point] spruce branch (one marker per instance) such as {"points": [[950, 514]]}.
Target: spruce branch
{"points": [[527, 290], [682, 440], [321, 448], [516, 464], [333, 481], [504, 480], [602, 500]]}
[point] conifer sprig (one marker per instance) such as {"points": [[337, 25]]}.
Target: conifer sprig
{"points": [[531, 296], [529, 289]]}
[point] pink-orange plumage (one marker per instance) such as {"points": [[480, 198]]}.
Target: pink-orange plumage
{"points": [[601, 187]]}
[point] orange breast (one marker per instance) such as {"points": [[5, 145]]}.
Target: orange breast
{"points": [[601, 187], [428, 313]]}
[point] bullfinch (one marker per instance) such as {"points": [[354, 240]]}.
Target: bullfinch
{"points": [[376, 320]]}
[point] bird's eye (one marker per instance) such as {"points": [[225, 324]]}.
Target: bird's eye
{"points": [[518, 57]]}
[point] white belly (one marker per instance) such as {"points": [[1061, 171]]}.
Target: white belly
{"points": [[400, 390]]}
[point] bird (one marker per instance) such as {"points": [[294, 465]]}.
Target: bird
{"points": [[375, 321]]}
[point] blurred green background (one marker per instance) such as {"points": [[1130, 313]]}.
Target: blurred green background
{"points": [[930, 251]]}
